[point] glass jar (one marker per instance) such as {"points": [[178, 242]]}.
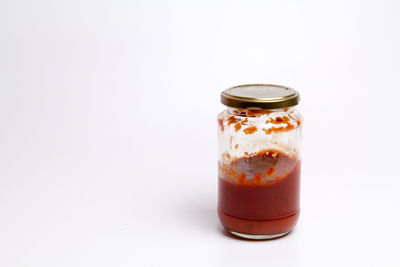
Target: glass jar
{"points": [[259, 138]]}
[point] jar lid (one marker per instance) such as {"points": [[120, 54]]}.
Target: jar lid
{"points": [[260, 96]]}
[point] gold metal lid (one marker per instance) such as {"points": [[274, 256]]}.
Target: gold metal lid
{"points": [[260, 96]]}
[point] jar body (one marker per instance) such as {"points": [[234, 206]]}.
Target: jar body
{"points": [[259, 171]]}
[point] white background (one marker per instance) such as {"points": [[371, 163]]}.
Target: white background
{"points": [[108, 129]]}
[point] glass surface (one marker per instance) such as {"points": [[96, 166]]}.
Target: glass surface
{"points": [[259, 170]]}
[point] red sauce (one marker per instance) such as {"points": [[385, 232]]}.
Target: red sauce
{"points": [[232, 119], [238, 126], [259, 194], [250, 130], [257, 112], [221, 124], [273, 129], [251, 112], [283, 122], [245, 121]]}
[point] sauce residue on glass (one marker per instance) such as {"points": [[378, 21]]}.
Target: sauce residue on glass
{"points": [[252, 112], [221, 124], [279, 124], [238, 126], [250, 130]]}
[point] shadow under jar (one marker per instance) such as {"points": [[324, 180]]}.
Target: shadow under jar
{"points": [[259, 138]]}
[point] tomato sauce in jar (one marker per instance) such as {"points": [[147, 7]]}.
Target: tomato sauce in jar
{"points": [[259, 165]]}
